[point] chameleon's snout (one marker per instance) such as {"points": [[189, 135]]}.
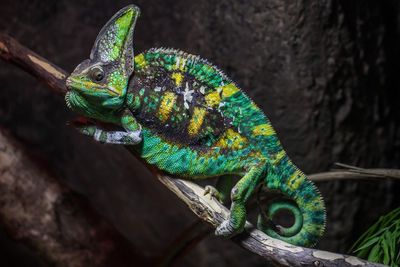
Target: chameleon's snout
{"points": [[72, 83]]}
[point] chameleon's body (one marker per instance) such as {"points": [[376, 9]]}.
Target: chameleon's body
{"points": [[185, 117]]}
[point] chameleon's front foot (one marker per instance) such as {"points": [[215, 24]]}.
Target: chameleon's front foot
{"points": [[227, 229]]}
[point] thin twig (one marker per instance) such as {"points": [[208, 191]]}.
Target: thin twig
{"points": [[351, 172]]}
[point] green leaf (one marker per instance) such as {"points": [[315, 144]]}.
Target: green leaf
{"points": [[364, 236], [381, 242], [375, 254], [386, 256], [369, 243], [398, 257]]}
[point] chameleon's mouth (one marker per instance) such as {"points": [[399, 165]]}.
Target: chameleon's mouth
{"points": [[77, 84]]}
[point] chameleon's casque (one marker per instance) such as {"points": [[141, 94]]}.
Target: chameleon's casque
{"points": [[184, 116]]}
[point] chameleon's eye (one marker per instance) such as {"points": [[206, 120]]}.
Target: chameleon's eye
{"points": [[96, 73]]}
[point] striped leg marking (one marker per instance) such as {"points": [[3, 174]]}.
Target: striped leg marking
{"points": [[111, 137], [118, 137]]}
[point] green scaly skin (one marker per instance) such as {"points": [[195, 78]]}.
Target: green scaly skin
{"points": [[185, 117]]}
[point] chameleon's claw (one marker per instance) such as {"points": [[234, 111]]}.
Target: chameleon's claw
{"points": [[226, 229], [212, 191]]}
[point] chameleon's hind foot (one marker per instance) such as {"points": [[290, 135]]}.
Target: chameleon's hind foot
{"points": [[213, 192], [226, 229]]}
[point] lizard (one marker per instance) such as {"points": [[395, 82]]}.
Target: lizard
{"points": [[184, 116]]}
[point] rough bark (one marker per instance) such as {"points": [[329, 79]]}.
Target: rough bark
{"points": [[50, 74], [209, 210]]}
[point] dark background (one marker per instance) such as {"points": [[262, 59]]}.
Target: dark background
{"points": [[325, 72]]}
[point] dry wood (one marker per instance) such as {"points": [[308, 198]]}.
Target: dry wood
{"points": [[351, 172], [209, 210]]}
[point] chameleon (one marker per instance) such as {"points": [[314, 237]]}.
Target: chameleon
{"points": [[184, 116]]}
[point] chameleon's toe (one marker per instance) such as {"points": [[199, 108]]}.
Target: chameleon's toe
{"points": [[226, 229], [212, 191]]}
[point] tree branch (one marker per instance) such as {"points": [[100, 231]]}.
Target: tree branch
{"points": [[275, 251], [351, 172]]}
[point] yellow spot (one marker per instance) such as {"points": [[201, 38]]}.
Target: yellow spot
{"points": [[140, 61], [228, 90], [166, 105], [231, 139], [213, 99], [196, 121], [295, 180], [277, 157], [263, 129], [178, 77]]}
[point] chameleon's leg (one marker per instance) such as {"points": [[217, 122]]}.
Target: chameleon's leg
{"points": [[239, 195], [131, 136], [222, 188]]}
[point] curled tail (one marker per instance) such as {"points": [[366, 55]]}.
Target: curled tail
{"points": [[304, 202]]}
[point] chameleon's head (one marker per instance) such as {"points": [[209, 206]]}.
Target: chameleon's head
{"points": [[101, 81]]}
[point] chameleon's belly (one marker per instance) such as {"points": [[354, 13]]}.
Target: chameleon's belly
{"points": [[188, 161]]}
